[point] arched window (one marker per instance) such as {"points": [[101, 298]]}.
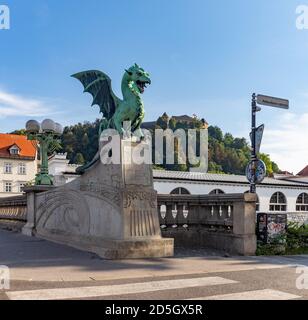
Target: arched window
{"points": [[302, 202], [216, 191], [278, 202], [180, 191]]}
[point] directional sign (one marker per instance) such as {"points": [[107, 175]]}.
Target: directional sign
{"points": [[260, 171], [259, 136], [272, 101]]}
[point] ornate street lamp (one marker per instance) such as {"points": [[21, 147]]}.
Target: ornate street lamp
{"points": [[47, 134]]}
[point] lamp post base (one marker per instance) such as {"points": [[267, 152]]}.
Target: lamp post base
{"points": [[43, 179]]}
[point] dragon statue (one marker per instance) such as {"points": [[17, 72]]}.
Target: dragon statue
{"points": [[116, 111]]}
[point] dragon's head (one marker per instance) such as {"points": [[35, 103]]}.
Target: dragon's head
{"points": [[140, 77]]}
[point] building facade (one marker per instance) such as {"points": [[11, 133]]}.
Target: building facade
{"points": [[61, 170], [274, 195], [18, 164]]}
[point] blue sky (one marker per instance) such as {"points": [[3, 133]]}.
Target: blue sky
{"points": [[204, 56]]}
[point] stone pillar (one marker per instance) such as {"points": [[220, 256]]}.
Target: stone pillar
{"points": [[31, 191], [111, 209], [244, 225]]}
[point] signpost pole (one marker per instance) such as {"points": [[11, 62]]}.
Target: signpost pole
{"points": [[256, 169], [253, 143]]}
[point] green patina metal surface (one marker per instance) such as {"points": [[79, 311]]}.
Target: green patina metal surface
{"points": [[116, 111], [48, 142]]}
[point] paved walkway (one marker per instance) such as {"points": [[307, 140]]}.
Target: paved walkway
{"points": [[44, 270]]}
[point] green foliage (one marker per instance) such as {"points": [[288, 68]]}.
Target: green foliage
{"points": [[270, 249], [215, 133], [214, 168], [172, 124], [295, 241], [297, 236], [79, 159], [80, 140], [227, 154], [158, 167], [21, 132], [162, 122], [271, 167], [53, 147], [275, 167]]}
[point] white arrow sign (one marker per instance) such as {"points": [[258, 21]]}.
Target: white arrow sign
{"points": [[272, 101], [259, 136]]}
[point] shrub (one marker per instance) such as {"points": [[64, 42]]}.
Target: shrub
{"points": [[295, 241]]}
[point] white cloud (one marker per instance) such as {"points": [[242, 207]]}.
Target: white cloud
{"points": [[16, 105], [287, 141]]}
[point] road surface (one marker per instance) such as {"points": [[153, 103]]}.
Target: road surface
{"points": [[44, 270]]}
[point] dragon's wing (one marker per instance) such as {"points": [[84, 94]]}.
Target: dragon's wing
{"points": [[98, 84]]}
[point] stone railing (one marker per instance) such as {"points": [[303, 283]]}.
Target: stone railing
{"points": [[13, 212], [224, 222]]}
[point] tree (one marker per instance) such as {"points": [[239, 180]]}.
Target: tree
{"points": [[214, 167], [268, 163], [163, 121], [215, 133], [239, 143], [228, 140], [79, 159], [172, 124], [275, 167], [21, 132], [85, 140], [227, 154]]}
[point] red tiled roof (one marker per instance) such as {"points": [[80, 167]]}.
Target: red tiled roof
{"points": [[304, 172], [27, 148]]}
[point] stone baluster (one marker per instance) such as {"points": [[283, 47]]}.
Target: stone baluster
{"points": [[174, 215], [162, 216]]}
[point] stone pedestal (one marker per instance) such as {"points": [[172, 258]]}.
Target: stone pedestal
{"points": [[244, 225], [110, 210], [31, 191]]}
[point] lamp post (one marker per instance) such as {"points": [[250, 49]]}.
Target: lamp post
{"points": [[46, 133]]}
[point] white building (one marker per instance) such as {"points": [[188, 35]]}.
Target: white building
{"points": [[18, 164], [61, 170], [274, 196]]}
